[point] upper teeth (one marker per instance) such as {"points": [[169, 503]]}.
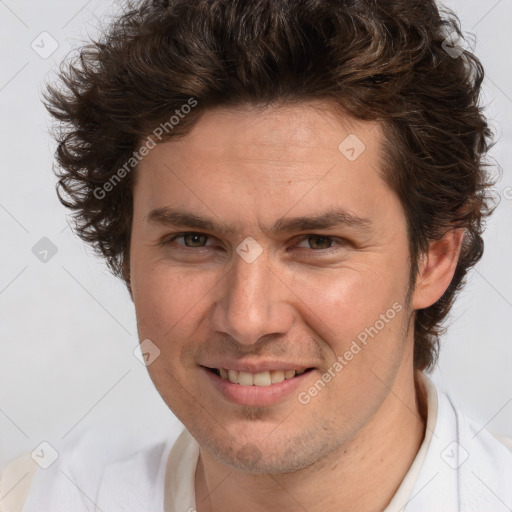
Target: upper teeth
{"points": [[258, 379]]}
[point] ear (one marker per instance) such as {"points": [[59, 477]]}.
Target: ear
{"points": [[436, 269]]}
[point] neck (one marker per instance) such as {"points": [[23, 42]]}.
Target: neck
{"points": [[364, 472]]}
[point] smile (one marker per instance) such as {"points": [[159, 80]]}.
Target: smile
{"points": [[256, 389], [262, 379]]}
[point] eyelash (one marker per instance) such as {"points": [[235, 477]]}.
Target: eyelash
{"points": [[339, 241]]}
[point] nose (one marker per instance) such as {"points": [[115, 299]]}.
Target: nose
{"points": [[252, 302]]}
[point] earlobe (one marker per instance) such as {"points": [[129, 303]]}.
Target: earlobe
{"points": [[436, 269]]}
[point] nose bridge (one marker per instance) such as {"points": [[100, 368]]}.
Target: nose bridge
{"points": [[253, 302]]}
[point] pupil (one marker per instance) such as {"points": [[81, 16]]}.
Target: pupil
{"points": [[321, 238], [194, 239]]}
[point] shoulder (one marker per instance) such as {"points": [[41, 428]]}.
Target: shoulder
{"points": [[505, 441], [466, 467], [472, 428], [15, 483], [77, 477]]}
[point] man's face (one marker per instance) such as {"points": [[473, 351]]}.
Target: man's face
{"points": [[272, 294]]}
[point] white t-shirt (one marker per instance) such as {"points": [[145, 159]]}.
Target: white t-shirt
{"points": [[458, 467]]}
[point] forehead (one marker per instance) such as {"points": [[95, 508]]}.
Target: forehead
{"points": [[266, 162], [281, 134]]}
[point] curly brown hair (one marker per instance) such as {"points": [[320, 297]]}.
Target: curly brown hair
{"points": [[382, 60]]}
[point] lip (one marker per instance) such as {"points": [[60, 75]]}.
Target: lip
{"points": [[256, 396], [261, 366]]}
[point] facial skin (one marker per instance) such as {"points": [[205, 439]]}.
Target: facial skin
{"points": [[300, 304]]}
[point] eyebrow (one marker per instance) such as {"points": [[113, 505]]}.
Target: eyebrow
{"points": [[177, 217]]}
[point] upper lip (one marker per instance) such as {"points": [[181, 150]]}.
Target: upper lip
{"points": [[256, 367]]}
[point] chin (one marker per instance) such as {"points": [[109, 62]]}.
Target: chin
{"points": [[266, 455]]}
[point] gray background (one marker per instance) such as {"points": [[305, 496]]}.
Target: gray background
{"points": [[67, 326]]}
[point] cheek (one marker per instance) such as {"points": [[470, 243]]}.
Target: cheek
{"points": [[359, 314], [341, 304], [167, 299], [169, 306]]}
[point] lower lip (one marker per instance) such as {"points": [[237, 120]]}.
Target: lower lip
{"points": [[256, 395]]}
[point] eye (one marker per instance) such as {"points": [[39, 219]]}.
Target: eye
{"points": [[316, 243], [320, 242], [191, 240]]}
